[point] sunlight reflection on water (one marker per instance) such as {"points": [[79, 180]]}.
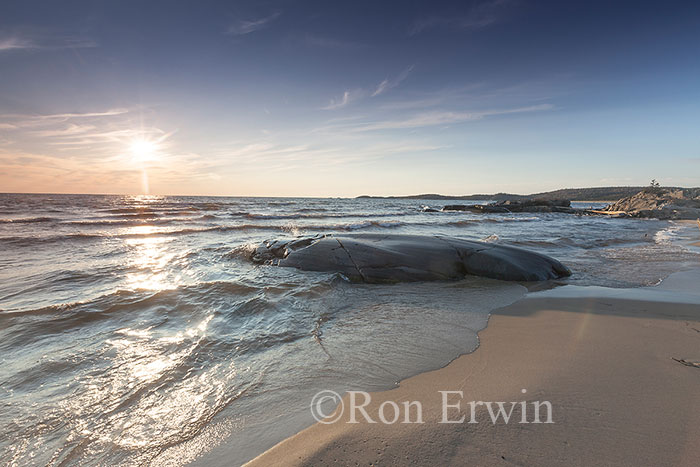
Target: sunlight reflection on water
{"points": [[150, 256], [130, 325]]}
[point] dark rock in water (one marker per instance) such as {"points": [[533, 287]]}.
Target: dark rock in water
{"points": [[526, 205], [468, 207], [376, 258], [660, 203], [523, 204]]}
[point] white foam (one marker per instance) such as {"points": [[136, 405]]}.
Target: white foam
{"points": [[677, 288]]}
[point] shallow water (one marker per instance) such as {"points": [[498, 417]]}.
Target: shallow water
{"points": [[134, 329]]}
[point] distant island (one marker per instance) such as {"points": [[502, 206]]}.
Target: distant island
{"points": [[608, 193]]}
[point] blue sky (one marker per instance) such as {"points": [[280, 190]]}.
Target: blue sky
{"points": [[313, 98]]}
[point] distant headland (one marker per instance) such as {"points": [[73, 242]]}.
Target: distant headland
{"points": [[608, 193]]}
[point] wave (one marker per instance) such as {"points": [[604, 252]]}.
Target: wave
{"points": [[129, 217], [150, 209], [209, 206], [290, 227], [114, 221], [298, 215], [667, 235], [33, 241], [28, 220], [152, 214], [63, 279], [611, 242], [498, 220], [137, 300], [108, 221], [316, 209], [369, 224], [139, 210], [154, 211], [461, 223], [121, 222], [562, 241]]}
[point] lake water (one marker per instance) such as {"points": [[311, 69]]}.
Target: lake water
{"points": [[136, 330]]}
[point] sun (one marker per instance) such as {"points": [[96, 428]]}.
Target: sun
{"points": [[143, 150]]}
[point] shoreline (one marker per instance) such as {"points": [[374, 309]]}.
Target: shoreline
{"points": [[606, 364], [677, 288]]}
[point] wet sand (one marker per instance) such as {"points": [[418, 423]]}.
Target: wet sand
{"points": [[620, 375]]}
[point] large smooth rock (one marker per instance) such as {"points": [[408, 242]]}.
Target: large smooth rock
{"points": [[377, 258]]}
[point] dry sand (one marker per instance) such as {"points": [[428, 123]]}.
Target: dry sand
{"points": [[619, 374]]}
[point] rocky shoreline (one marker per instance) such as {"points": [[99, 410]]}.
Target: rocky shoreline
{"points": [[379, 258], [658, 203], [653, 203]]}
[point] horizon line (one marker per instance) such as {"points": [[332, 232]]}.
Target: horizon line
{"points": [[341, 197]]}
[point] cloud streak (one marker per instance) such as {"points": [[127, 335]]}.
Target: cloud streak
{"points": [[281, 156], [18, 43], [347, 97], [28, 121], [435, 118], [103, 135], [389, 84], [66, 116], [479, 16], [242, 28], [384, 86], [14, 43]]}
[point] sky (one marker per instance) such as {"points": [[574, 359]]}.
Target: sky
{"points": [[345, 98]]}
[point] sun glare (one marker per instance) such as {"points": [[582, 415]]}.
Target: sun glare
{"points": [[143, 150]]}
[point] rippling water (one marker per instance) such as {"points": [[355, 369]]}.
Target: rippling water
{"points": [[134, 329]]}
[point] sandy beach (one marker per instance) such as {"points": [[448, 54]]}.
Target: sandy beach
{"points": [[621, 375]]}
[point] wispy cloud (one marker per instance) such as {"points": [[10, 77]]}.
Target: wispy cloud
{"points": [[66, 116], [105, 134], [14, 43], [357, 94], [481, 94], [247, 26], [347, 97], [389, 84], [479, 16], [281, 155], [412, 104], [68, 131], [433, 118], [20, 121], [18, 42], [329, 43]]}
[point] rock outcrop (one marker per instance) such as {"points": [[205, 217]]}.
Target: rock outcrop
{"points": [[659, 203], [375, 258], [527, 205]]}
